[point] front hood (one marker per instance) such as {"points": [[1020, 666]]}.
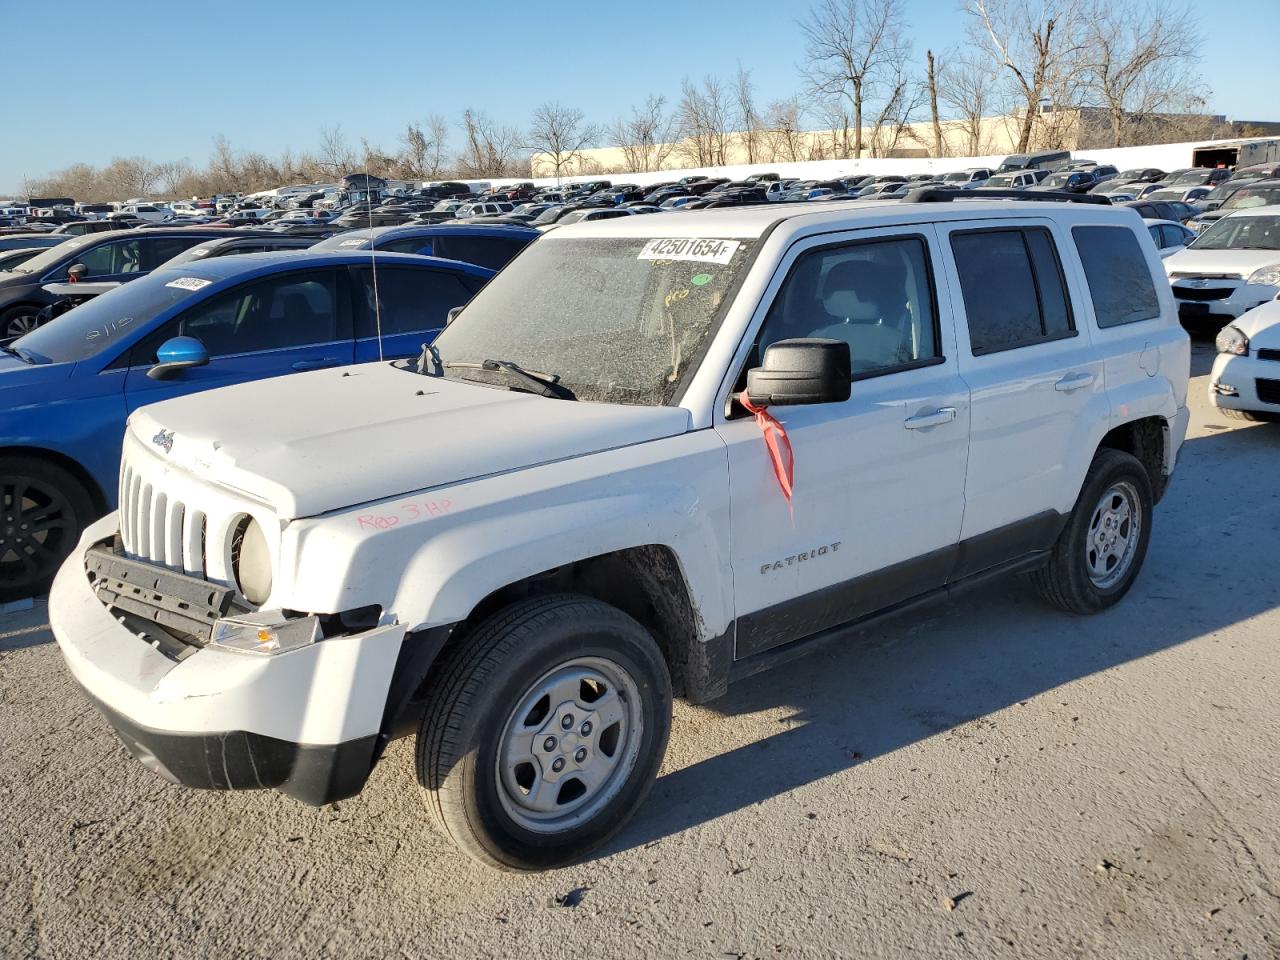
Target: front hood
{"points": [[315, 442], [1261, 325], [1210, 262], [21, 383]]}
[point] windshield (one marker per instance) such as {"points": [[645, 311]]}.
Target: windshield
{"points": [[1241, 233], [1002, 180], [103, 321], [1247, 197], [618, 319], [1056, 180], [962, 177], [51, 256]]}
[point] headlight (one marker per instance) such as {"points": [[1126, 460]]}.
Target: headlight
{"points": [[1231, 340], [1268, 275], [251, 561], [265, 632]]}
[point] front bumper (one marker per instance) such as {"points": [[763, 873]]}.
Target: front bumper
{"points": [[1242, 298], [306, 722], [1245, 383]]}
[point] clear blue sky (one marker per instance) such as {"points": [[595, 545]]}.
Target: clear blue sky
{"points": [[160, 79]]}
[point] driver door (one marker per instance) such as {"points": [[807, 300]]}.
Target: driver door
{"points": [[264, 328]]}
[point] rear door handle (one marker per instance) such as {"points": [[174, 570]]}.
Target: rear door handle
{"points": [[937, 418], [1073, 381], [318, 363]]}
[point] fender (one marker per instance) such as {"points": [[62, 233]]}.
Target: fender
{"points": [[428, 558]]}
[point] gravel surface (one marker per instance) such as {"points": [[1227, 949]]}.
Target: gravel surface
{"points": [[987, 779]]}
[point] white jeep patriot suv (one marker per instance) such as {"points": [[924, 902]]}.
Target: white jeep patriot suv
{"points": [[578, 503]]}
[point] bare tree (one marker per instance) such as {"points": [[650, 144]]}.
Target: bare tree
{"points": [[1141, 63], [852, 47], [335, 155], [966, 89], [893, 121], [931, 84], [748, 119], [423, 148], [1039, 44], [705, 121], [560, 134], [646, 137], [488, 150], [784, 140]]}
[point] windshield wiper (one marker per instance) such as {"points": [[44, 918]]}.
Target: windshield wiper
{"points": [[543, 384]]}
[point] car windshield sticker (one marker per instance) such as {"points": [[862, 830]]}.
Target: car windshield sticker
{"points": [[353, 242], [688, 248], [189, 283], [199, 251]]}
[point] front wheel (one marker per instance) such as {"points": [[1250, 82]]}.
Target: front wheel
{"points": [[544, 732], [43, 509], [1101, 549], [19, 320]]}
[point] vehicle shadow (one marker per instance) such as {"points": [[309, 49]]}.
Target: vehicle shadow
{"points": [[931, 672]]}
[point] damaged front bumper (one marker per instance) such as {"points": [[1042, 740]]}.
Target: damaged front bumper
{"points": [[306, 721]]}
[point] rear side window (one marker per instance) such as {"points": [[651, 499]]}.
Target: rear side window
{"points": [[491, 252], [1119, 279], [413, 300], [1014, 294]]}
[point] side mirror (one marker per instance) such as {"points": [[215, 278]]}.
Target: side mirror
{"points": [[800, 372], [178, 353], [452, 315], [76, 272]]}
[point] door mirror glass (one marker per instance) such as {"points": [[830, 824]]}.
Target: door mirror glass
{"points": [[177, 354], [804, 371]]}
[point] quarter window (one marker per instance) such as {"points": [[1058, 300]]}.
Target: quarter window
{"points": [[1014, 294], [877, 296], [1119, 279]]}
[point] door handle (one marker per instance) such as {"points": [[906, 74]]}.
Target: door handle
{"points": [[1073, 381], [318, 363], [922, 421]]}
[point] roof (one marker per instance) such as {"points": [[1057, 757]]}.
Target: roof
{"points": [[753, 221], [279, 261]]}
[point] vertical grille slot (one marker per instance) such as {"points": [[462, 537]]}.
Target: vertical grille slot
{"points": [[173, 535], [142, 522], [193, 544]]}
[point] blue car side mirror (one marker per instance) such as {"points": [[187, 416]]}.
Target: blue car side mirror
{"points": [[178, 353]]}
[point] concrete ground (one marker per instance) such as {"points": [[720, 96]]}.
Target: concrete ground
{"points": [[988, 779]]}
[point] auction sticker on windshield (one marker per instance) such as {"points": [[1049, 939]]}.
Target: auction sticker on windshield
{"points": [[189, 283], [689, 248]]}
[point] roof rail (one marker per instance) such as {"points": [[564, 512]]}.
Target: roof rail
{"points": [[944, 195]]}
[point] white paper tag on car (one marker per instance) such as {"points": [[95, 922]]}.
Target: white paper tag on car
{"points": [[189, 283], [689, 248], [353, 242]]}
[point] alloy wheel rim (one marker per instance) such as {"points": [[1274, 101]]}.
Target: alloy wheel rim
{"points": [[567, 748], [34, 522], [23, 323], [1112, 539]]}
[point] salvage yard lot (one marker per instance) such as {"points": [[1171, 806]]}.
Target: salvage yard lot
{"points": [[989, 778]]}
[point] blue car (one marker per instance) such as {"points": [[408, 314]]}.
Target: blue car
{"points": [[66, 388], [486, 245]]}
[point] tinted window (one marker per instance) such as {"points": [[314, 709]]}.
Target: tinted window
{"points": [[876, 296], [1014, 294], [412, 300], [160, 249], [1119, 278], [408, 245], [491, 252], [108, 259], [272, 314]]}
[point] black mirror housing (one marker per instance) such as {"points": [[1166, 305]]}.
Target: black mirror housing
{"points": [[804, 371]]}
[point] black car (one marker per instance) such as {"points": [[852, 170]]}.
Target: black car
{"points": [[1069, 181], [120, 255], [1174, 210], [24, 241]]}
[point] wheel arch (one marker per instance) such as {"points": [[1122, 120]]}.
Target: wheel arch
{"points": [[72, 466], [1147, 439]]}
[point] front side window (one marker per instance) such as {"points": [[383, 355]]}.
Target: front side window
{"points": [[276, 313], [1120, 282], [1014, 293], [109, 259], [876, 296]]}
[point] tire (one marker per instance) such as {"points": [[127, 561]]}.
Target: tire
{"points": [[1079, 576], [18, 320], [43, 510], [515, 681], [1252, 416]]}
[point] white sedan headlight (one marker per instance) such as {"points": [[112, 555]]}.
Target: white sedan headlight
{"points": [[1232, 340], [1268, 275]]}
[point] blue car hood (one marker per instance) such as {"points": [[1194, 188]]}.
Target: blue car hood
{"points": [[25, 384]]}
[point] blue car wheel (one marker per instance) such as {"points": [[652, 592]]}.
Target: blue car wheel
{"points": [[43, 508]]}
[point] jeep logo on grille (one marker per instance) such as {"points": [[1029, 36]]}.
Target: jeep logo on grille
{"points": [[164, 441]]}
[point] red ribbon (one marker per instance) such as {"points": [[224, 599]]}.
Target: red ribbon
{"points": [[778, 444]]}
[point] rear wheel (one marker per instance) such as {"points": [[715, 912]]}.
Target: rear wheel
{"points": [[1101, 549], [544, 732], [43, 508], [19, 320]]}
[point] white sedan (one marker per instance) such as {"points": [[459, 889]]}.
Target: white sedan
{"points": [[1245, 382], [1230, 268], [1169, 236]]}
